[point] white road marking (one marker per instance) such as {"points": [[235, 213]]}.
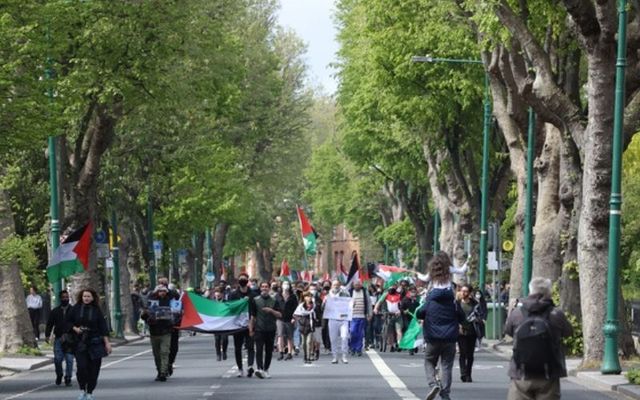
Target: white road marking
{"points": [[15, 396], [207, 394], [214, 387], [392, 379]]}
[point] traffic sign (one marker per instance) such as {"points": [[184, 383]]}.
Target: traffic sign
{"points": [[157, 248], [100, 237], [507, 245], [210, 276], [492, 261]]}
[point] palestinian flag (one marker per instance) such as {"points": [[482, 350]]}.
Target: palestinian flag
{"points": [[354, 270], [309, 234], [391, 274], [306, 276], [72, 256], [413, 337], [285, 272], [204, 315]]}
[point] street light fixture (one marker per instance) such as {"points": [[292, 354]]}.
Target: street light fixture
{"points": [[485, 158]]}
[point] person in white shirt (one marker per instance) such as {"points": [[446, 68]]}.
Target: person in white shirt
{"points": [[34, 305], [338, 326]]}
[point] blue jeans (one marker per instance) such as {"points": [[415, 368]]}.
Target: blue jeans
{"points": [[356, 332], [59, 356]]}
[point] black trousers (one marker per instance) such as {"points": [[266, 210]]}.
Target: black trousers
{"points": [[264, 348], [467, 346], [173, 349], [326, 339], [34, 316], [240, 339], [87, 371], [221, 343]]}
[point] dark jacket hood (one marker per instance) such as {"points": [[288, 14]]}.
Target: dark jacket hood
{"points": [[537, 303]]}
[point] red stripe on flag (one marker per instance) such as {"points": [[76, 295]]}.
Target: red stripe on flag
{"points": [[84, 246], [190, 317], [305, 226]]}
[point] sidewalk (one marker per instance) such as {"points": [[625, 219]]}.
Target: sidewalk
{"points": [[591, 379], [15, 363]]}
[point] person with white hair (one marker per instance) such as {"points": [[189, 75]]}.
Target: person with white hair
{"points": [[538, 360]]}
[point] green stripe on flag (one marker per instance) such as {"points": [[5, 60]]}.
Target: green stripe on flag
{"points": [[64, 269], [219, 309]]}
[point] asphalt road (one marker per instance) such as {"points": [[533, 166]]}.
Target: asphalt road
{"points": [[129, 374]]}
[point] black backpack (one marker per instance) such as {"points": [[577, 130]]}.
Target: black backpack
{"points": [[533, 345]]}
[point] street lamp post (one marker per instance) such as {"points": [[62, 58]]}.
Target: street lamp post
{"points": [[209, 255], [436, 232], [610, 362], [528, 227], [53, 188], [485, 158], [116, 276]]}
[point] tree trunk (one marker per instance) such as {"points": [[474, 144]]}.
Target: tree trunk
{"points": [[218, 241], [15, 325], [547, 258], [261, 267], [268, 265], [126, 253], [596, 185], [84, 171]]}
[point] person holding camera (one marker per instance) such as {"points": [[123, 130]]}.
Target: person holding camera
{"points": [[87, 322], [469, 330]]}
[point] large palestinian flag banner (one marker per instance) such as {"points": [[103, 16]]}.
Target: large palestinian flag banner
{"points": [[204, 315]]}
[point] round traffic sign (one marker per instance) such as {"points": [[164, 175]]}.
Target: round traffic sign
{"points": [[210, 277], [507, 245]]}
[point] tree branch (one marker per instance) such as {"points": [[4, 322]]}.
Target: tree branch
{"points": [[583, 14]]}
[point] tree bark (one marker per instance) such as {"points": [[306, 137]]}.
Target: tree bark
{"points": [[547, 260], [15, 325], [218, 241], [126, 255]]}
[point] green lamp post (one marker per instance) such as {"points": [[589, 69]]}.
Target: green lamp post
{"points": [[485, 158], [528, 227], [436, 232], [610, 362], [115, 255]]}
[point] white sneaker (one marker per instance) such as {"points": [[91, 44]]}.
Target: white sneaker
{"points": [[89, 397], [240, 373], [266, 374], [82, 396], [334, 361], [433, 392], [259, 373], [344, 359]]}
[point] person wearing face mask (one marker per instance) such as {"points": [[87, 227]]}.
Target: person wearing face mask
{"points": [[243, 338], [361, 314], [326, 339], [264, 310], [389, 306], [408, 307], [221, 342], [317, 332], [338, 328], [61, 351], [289, 303]]}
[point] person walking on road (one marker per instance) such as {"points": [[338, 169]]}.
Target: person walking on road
{"points": [[442, 319], [362, 310], [469, 331], [34, 305], [221, 341], [160, 319], [285, 325], [61, 351], [338, 327], [264, 310], [306, 314], [87, 322], [243, 338], [538, 360]]}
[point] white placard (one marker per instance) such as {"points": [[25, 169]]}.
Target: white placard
{"points": [[338, 308], [492, 261]]}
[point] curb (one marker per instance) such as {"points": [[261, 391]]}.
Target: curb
{"points": [[49, 359]]}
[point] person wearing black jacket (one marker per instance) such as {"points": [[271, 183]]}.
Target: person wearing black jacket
{"points": [[242, 338], [160, 319], [61, 352], [285, 327], [468, 331], [86, 321]]}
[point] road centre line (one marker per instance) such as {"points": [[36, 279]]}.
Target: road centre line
{"points": [[390, 377]]}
